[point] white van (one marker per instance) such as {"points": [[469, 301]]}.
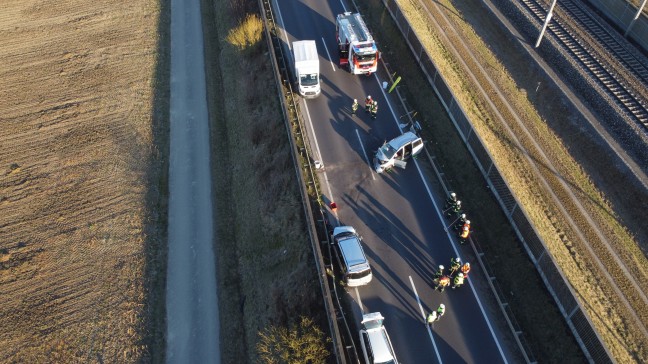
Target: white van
{"points": [[376, 345], [347, 249], [397, 151], [307, 68]]}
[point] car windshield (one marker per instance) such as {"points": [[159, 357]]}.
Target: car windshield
{"points": [[387, 150], [365, 58], [308, 80]]}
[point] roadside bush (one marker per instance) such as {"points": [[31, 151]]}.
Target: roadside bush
{"points": [[247, 33], [303, 343]]}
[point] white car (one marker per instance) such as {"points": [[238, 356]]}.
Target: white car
{"points": [[375, 342], [397, 151]]}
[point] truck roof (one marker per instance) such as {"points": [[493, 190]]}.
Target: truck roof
{"points": [[354, 27], [305, 50]]}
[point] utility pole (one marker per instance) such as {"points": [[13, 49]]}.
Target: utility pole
{"points": [[643, 4], [546, 23]]}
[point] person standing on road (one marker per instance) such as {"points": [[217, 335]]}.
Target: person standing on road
{"points": [[465, 269], [354, 106], [458, 281], [450, 201], [440, 311], [431, 317], [455, 264], [374, 110], [368, 103], [443, 282]]}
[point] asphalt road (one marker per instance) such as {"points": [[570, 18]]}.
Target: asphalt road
{"points": [[395, 213], [192, 307]]}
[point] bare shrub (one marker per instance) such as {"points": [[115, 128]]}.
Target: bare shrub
{"points": [[303, 343], [247, 33]]}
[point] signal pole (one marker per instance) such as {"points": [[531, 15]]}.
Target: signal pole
{"points": [[546, 23]]}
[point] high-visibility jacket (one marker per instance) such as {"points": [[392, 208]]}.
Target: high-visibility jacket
{"points": [[458, 280], [465, 269], [444, 281], [368, 102], [440, 311], [465, 232]]}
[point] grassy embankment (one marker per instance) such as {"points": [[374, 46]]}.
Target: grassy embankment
{"points": [[266, 271], [83, 130]]}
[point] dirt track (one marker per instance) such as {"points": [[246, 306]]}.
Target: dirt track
{"points": [[81, 165]]}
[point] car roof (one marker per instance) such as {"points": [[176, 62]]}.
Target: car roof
{"points": [[352, 251], [380, 345], [401, 140]]}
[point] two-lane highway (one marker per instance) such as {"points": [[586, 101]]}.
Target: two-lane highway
{"points": [[403, 231]]}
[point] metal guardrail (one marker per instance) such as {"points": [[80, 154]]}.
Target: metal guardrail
{"points": [[315, 213], [564, 296]]}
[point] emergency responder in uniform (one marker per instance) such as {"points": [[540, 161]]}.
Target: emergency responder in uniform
{"points": [[465, 232], [458, 281], [440, 311], [443, 282], [431, 317], [455, 264], [455, 209], [439, 272], [465, 269], [450, 201], [354, 107], [368, 103], [374, 110], [462, 220]]}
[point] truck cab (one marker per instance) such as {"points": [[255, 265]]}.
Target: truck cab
{"points": [[307, 68]]}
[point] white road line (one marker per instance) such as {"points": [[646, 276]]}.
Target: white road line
{"points": [[319, 155], [359, 300], [283, 27], [365, 154], [343, 7], [418, 300], [329, 54], [452, 243]]}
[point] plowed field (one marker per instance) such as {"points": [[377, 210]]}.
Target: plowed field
{"points": [[82, 176]]}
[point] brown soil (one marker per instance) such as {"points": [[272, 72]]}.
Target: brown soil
{"points": [[82, 181]]}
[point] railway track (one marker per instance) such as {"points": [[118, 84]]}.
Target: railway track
{"points": [[593, 62]]}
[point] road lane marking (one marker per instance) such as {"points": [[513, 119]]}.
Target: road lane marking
{"points": [[359, 300], [418, 300], [283, 27], [329, 54], [343, 7], [319, 154], [452, 243], [365, 154]]}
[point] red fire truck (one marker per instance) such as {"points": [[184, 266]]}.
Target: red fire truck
{"points": [[356, 46]]}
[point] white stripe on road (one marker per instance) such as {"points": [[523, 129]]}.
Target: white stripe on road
{"points": [[452, 243], [365, 154], [329, 55], [359, 300], [418, 300]]}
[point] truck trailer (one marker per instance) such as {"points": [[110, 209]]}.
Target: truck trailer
{"points": [[356, 47], [307, 68]]}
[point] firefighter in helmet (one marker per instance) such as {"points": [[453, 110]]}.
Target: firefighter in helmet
{"points": [[368, 102], [458, 281]]}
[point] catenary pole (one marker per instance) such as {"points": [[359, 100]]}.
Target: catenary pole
{"points": [[643, 4], [546, 23]]}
